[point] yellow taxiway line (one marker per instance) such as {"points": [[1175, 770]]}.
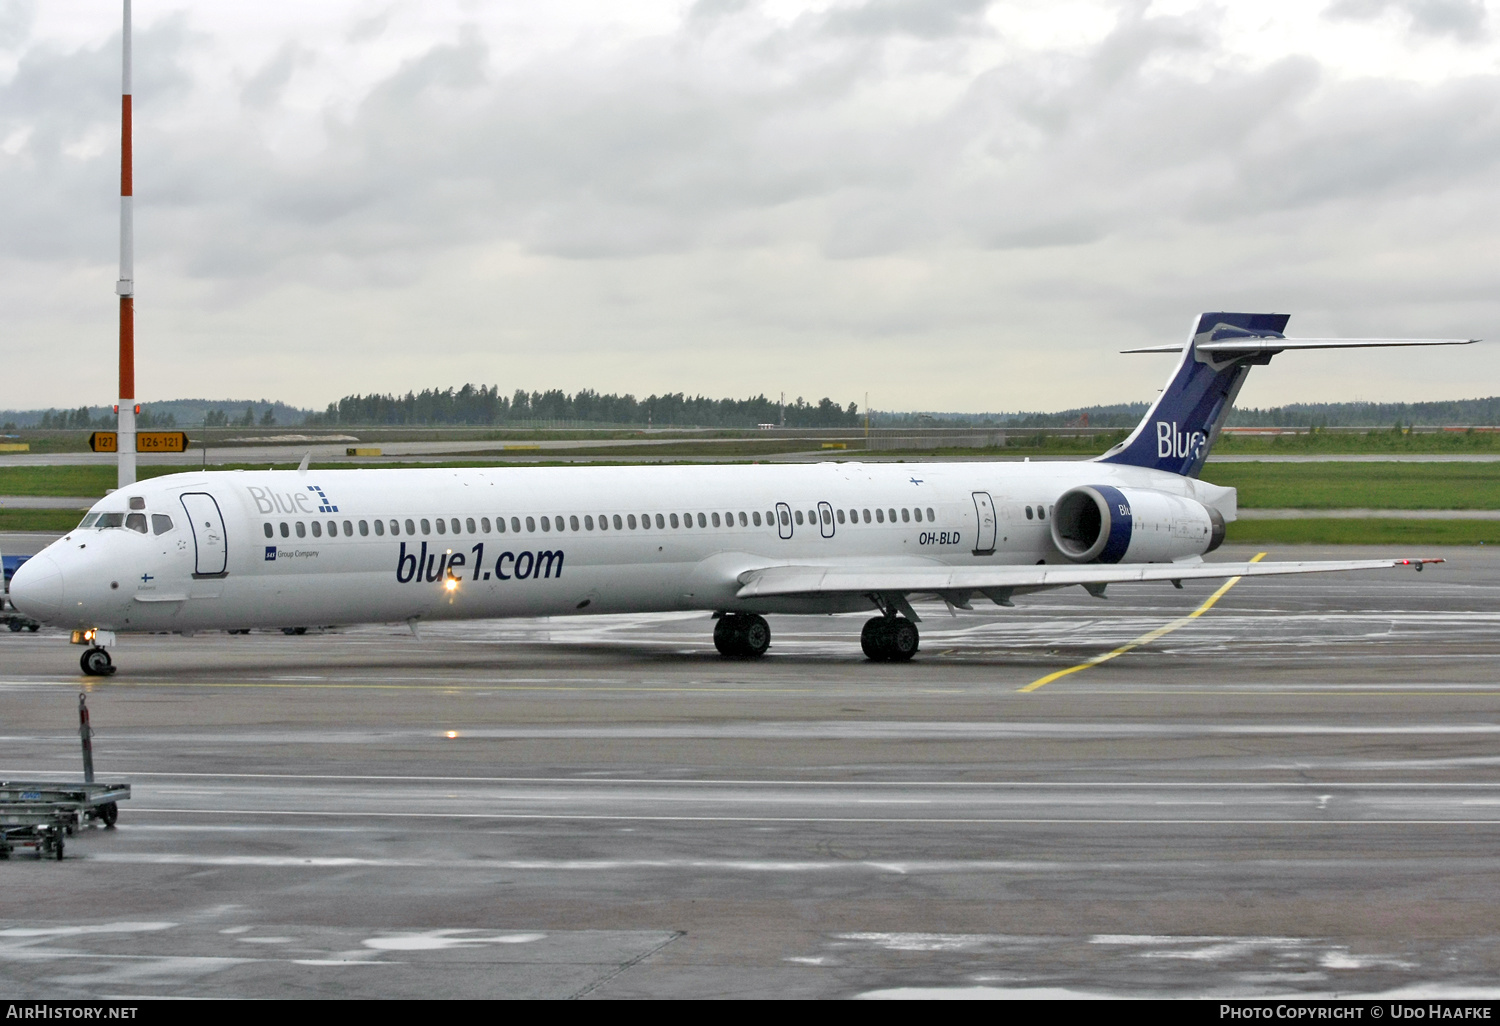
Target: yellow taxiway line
{"points": [[1144, 639]]}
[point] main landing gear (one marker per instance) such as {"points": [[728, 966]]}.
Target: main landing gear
{"points": [[742, 636], [96, 662], [889, 639]]}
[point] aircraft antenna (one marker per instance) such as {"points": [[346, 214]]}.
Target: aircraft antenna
{"points": [[125, 286]]}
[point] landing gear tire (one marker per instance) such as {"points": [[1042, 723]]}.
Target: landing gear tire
{"points": [[17, 626], [108, 813], [889, 639], [294, 630], [740, 636], [96, 662]]}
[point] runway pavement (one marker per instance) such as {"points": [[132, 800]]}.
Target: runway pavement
{"points": [[1298, 792]]}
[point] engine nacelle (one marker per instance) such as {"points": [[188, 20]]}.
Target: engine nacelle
{"points": [[1100, 523]]}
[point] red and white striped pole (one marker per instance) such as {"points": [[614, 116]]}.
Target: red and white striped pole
{"points": [[125, 287]]}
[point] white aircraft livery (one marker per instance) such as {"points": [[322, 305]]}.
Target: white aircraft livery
{"points": [[236, 550]]}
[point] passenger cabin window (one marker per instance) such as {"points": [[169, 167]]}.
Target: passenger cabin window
{"points": [[573, 523], [630, 518], [458, 528], [269, 532], [867, 516], [744, 521], [161, 524], [317, 529], [484, 524], [469, 523], [364, 528], [755, 518], [285, 533], [880, 516], [348, 529], [905, 515], [931, 516], [380, 528], [799, 516], [546, 524], [616, 519], [442, 527], [1028, 512], [411, 528], [673, 519], [301, 529], [917, 513], [136, 522], [1041, 514], [661, 522], [530, 523]]}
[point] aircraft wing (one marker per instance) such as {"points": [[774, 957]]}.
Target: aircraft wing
{"points": [[1002, 580]]}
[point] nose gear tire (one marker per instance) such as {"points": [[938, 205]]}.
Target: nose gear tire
{"points": [[95, 662]]}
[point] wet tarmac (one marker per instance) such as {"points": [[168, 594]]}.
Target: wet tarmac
{"points": [[1297, 792]]}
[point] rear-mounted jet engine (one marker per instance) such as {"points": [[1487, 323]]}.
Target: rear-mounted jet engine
{"points": [[1098, 523]]}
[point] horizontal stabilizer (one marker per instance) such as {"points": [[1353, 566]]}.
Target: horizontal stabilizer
{"points": [[833, 580], [1270, 343]]}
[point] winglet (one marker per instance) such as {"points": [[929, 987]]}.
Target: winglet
{"points": [[302, 467]]}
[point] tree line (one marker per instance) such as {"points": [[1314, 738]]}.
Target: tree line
{"points": [[486, 405]]}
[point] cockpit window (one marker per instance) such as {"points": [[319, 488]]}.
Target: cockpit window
{"points": [[88, 521], [110, 520], [161, 523], [136, 522]]}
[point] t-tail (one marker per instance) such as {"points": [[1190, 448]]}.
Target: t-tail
{"points": [[1184, 423]]}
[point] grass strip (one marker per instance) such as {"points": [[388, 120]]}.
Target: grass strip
{"points": [[39, 519], [1361, 485], [1370, 531]]}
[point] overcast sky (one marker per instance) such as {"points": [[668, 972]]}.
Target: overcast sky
{"points": [[950, 204]]}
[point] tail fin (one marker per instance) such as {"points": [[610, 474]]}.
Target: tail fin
{"points": [[1184, 423]]}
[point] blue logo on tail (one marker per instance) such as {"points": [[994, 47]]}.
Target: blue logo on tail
{"points": [[1176, 434]]}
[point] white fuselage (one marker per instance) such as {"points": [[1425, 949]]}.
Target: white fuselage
{"points": [[282, 548]]}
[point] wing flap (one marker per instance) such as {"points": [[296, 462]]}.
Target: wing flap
{"points": [[825, 580]]}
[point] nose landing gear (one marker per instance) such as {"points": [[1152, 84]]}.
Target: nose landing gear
{"points": [[742, 636], [96, 662], [889, 639]]}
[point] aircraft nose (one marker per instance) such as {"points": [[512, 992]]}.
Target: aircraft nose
{"points": [[36, 589]]}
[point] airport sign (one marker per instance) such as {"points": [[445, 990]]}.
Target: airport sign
{"points": [[145, 441]]}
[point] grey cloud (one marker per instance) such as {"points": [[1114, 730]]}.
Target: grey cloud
{"points": [[265, 87], [1462, 19], [16, 20], [672, 147], [924, 19], [371, 28]]}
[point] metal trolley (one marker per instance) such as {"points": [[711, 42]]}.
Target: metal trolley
{"points": [[39, 814]]}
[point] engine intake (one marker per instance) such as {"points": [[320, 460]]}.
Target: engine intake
{"points": [[1100, 523]]}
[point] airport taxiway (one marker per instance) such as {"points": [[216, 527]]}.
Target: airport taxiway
{"points": [[1296, 793]]}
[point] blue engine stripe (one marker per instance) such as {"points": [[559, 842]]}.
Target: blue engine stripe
{"points": [[1120, 524]]}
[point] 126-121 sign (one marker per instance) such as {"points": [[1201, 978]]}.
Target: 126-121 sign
{"points": [[145, 441]]}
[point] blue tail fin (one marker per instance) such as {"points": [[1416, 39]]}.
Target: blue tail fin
{"points": [[1184, 423]]}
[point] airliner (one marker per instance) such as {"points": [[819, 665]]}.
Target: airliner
{"points": [[290, 549]]}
